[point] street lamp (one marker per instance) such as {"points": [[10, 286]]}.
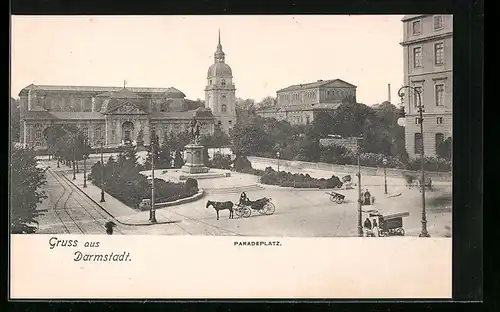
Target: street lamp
{"points": [[384, 161], [102, 173], [85, 164], [74, 156], [152, 212], [278, 155], [420, 108], [360, 216]]}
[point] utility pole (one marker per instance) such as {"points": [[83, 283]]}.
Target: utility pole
{"points": [[152, 212], [85, 164], [102, 173], [360, 215], [420, 108]]}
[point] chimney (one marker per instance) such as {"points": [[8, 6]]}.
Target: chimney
{"points": [[389, 93]]}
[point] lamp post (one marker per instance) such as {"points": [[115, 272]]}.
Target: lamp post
{"points": [[85, 165], [420, 108], [152, 212], [384, 161], [278, 155], [102, 173], [74, 156], [360, 215]]}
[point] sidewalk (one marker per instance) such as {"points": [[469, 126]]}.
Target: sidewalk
{"points": [[115, 208]]}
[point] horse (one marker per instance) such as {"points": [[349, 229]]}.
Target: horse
{"points": [[222, 206]]}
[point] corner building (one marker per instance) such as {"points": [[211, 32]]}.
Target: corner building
{"points": [[428, 67]]}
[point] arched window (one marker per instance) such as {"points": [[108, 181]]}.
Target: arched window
{"points": [[418, 143], [163, 107], [85, 132], [223, 108], [223, 82], [439, 139]]}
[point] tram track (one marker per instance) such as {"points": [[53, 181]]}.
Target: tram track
{"points": [[91, 220]]}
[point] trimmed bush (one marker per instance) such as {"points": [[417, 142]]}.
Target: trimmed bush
{"points": [[287, 179], [242, 163], [220, 161]]}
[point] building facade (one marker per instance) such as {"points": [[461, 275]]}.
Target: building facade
{"points": [[299, 104], [117, 116], [428, 67], [220, 92]]}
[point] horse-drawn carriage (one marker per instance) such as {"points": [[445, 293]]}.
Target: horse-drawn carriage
{"points": [[263, 205], [244, 208]]}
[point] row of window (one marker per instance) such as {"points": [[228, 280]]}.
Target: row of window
{"points": [[437, 23], [439, 138], [222, 82], [66, 104], [439, 120], [438, 55], [438, 95]]}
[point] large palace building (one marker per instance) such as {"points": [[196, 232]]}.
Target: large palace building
{"points": [[115, 115], [428, 67], [299, 104]]}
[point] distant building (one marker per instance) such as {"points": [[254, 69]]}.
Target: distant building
{"points": [[299, 104], [428, 66], [115, 115]]}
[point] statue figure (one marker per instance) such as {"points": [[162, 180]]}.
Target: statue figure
{"points": [[195, 130]]}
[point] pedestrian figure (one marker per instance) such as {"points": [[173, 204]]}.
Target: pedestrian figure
{"points": [[367, 196], [368, 227], [375, 228], [109, 227]]}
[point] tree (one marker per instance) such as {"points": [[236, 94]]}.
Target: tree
{"points": [[249, 136], [178, 161], [244, 108], [25, 195], [268, 101], [444, 149]]}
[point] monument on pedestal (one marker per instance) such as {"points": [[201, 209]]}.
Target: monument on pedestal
{"points": [[194, 152], [140, 142]]}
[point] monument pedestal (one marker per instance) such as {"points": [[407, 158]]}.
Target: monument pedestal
{"points": [[194, 160]]}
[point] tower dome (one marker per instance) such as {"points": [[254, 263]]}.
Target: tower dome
{"points": [[219, 68]]}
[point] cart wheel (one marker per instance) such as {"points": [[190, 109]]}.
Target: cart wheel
{"points": [[401, 232], [339, 200], [239, 211], [263, 210], [270, 208], [247, 212]]}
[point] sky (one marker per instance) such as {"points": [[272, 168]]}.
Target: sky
{"points": [[266, 53]]}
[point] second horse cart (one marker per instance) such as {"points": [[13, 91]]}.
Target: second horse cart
{"points": [[336, 197]]}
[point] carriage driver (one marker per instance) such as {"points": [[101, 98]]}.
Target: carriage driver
{"points": [[244, 199]]}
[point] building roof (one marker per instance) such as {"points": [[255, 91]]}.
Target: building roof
{"points": [[219, 69], [95, 89], [303, 107], [409, 17], [201, 113], [320, 83]]}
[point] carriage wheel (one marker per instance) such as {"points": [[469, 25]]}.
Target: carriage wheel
{"points": [[339, 200], [246, 212], [332, 198], [400, 232], [239, 211], [270, 208], [263, 210]]}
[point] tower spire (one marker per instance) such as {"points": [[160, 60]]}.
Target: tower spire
{"points": [[219, 54]]}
